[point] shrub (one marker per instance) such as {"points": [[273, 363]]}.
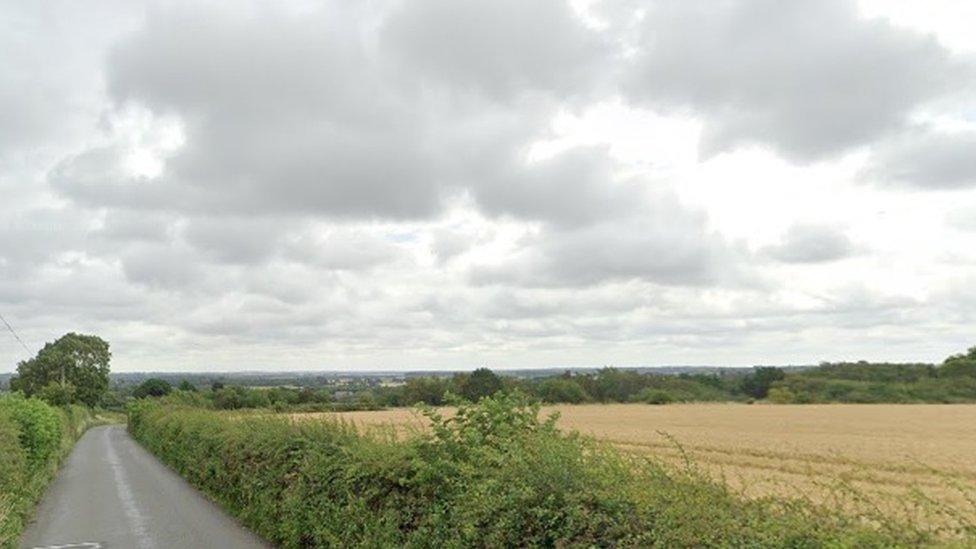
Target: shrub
{"points": [[13, 478], [34, 436], [558, 389], [656, 396], [492, 475], [40, 427], [781, 395]]}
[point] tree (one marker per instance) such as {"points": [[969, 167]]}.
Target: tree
{"points": [[561, 389], [429, 390], [757, 383], [152, 387], [481, 383], [226, 398], [57, 394], [73, 359], [960, 365], [614, 385], [187, 386]]}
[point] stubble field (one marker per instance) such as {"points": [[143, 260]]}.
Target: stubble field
{"points": [[915, 460]]}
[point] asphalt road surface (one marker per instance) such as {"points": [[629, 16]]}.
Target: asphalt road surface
{"points": [[111, 493]]}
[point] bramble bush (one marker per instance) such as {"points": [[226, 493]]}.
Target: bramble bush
{"points": [[492, 475]]}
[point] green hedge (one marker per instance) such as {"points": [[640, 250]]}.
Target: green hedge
{"points": [[34, 436], [494, 475]]}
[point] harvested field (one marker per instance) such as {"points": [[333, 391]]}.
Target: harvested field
{"points": [[905, 458]]}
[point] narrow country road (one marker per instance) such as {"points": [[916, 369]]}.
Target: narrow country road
{"points": [[111, 493]]}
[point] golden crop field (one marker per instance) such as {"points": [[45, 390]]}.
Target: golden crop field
{"points": [[916, 458]]}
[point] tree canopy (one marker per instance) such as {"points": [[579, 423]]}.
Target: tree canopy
{"points": [[758, 383], [75, 360], [960, 365], [152, 387], [480, 383]]}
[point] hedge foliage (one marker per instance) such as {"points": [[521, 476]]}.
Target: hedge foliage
{"points": [[34, 436], [493, 475]]}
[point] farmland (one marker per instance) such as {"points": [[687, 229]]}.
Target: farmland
{"points": [[882, 452]]}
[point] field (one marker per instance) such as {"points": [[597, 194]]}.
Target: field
{"points": [[914, 459], [493, 475]]}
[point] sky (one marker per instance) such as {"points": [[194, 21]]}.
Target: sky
{"points": [[448, 184]]}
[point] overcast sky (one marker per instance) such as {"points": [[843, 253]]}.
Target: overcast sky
{"points": [[448, 184]]}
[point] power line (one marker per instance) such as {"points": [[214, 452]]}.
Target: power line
{"points": [[17, 337]]}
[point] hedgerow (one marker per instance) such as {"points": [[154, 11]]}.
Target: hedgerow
{"points": [[493, 475], [34, 436]]}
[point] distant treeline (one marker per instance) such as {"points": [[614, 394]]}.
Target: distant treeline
{"points": [[855, 382]]}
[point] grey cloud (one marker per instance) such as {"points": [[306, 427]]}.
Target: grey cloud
{"points": [[281, 113], [129, 226], [341, 249], [96, 178], [809, 78], [33, 237], [447, 244], [164, 266], [236, 240], [286, 114], [666, 244], [805, 243], [926, 159], [503, 48], [47, 85], [576, 187]]}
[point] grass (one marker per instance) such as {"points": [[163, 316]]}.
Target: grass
{"points": [[489, 475]]}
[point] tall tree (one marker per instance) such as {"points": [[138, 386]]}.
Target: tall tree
{"points": [[960, 365], [758, 383], [480, 383], [152, 387], [81, 361]]}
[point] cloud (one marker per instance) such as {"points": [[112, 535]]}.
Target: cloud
{"points": [[125, 226], [576, 187], [39, 236], [306, 114], [963, 219], [398, 184], [166, 266], [342, 249], [805, 243], [926, 159], [663, 243], [235, 239], [810, 79], [501, 49]]}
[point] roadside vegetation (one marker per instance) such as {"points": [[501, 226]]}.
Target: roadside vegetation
{"points": [[492, 474], [62, 384], [34, 437]]}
